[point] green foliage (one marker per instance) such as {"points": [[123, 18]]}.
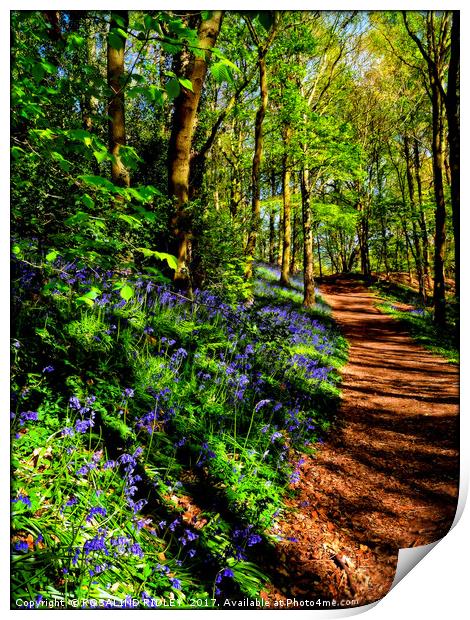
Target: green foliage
{"points": [[419, 320]]}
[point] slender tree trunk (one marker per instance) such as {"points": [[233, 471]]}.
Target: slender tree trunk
{"points": [[319, 256], [434, 56], [309, 282], [279, 242], [272, 227], [416, 240], [284, 279], [295, 240], [440, 215], [255, 170], [117, 124], [179, 152], [422, 217], [384, 245]]}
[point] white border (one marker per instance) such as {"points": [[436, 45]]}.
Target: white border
{"points": [[436, 588]]}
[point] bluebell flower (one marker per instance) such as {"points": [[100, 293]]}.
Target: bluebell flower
{"points": [[74, 402], [176, 583], [22, 498], [275, 436], [95, 544], [22, 546], [96, 510], [136, 549], [261, 404], [253, 539], [48, 369], [28, 416]]}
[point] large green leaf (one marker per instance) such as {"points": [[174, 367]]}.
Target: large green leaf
{"points": [[169, 258], [98, 182], [173, 88], [127, 292], [115, 39]]}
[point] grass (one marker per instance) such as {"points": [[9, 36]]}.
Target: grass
{"points": [[419, 320]]}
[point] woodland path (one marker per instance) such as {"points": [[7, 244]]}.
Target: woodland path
{"points": [[388, 476]]}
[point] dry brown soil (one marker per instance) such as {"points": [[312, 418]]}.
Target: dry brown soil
{"points": [[388, 475]]}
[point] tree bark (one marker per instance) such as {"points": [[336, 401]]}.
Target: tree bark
{"points": [[422, 217], [286, 222], [416, 240], [309, 282], [295, 240], [258, 152], [272, 228], [117, 124], [440, 214], [255, 170], [179, 151], [434, 56]]}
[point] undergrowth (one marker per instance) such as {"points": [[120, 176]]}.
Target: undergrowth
{"points": [[154, 437], [419, 319]]}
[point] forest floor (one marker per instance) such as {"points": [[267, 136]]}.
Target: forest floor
{"points": [[387, 477]]}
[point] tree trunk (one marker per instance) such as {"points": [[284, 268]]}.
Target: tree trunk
{"points": [[363, 234], [309, 282], [272, 228], [295, 240], [440, 215], [422, 217], [116, 124], [416, 240], [319, 256], [255, 170], [179, 151], [287, 234]]}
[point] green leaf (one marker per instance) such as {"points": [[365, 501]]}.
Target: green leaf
{"points": [[16, 152], [169, 258], [77, 218], [102, 156], [186, 83], [132, 221], [172, 88], [115, 40], [38, 72], [84, 300], [63, 163], [221, 72], [48, 67], [266, 19], [98, 182], [88, 201], [92, 293], [126, 292], [119, 19], [53, 254], [75, 40]]}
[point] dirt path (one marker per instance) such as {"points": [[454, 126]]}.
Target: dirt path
{"points": [[388, 478]]}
